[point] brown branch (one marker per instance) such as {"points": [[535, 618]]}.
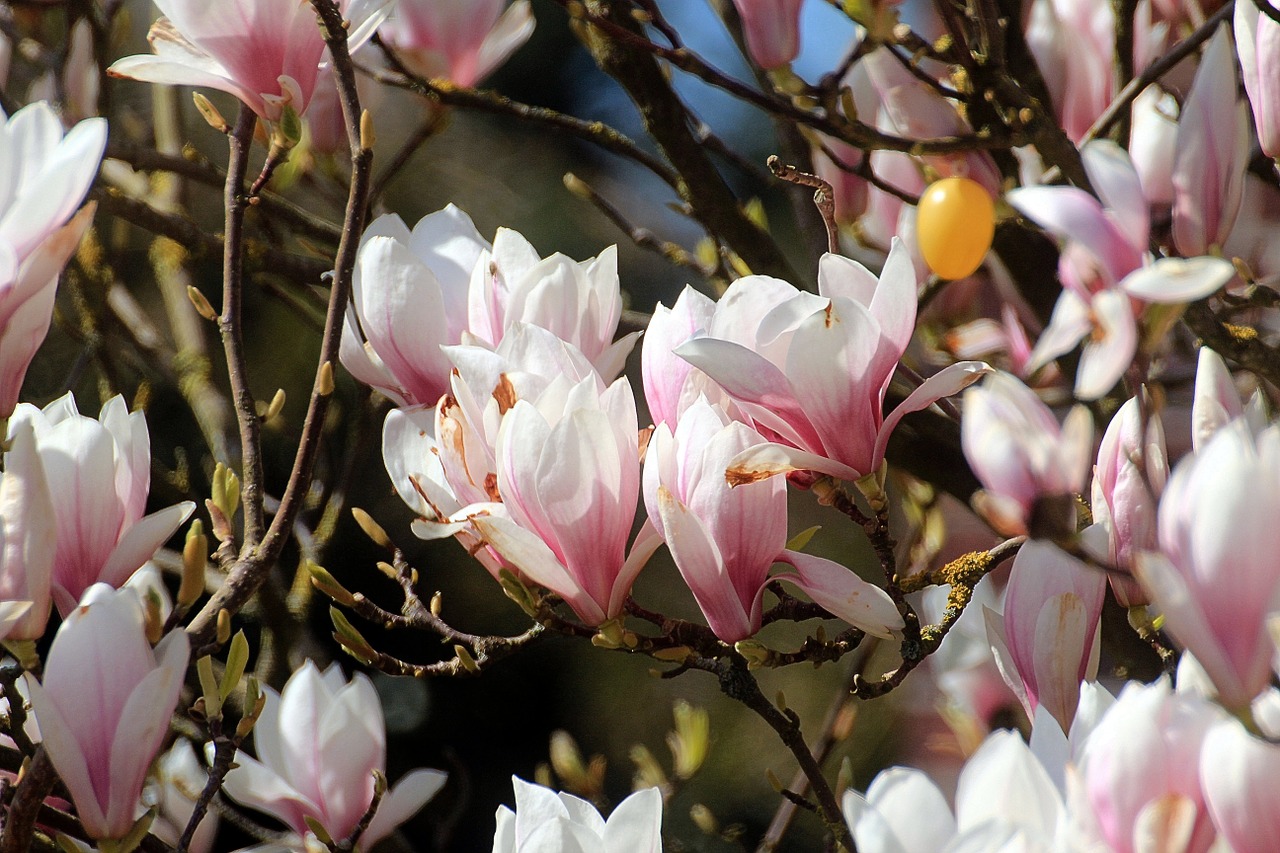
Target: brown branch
{"points": [[229, 324], [667, 120]]}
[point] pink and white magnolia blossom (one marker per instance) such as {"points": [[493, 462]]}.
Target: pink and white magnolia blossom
{"points": [[319, 742], [1212, 153], [28, 534], [810, 371], [408, 299], [560, 822], [671, 384], [1029, 466], [443, 461], [1137, 785], [1048, 639], [443, 284], [725, 540], [1238, 775], [102, 469], [1005, 800], [460, 40], [1125, 494], [46, 177], [104, 705], [771, 29], [267, 53], [568, 466], [1257, 38], [1215, 578], [1073, 42], [1104, 267]]}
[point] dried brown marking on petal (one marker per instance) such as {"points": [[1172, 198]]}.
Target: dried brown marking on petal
{"points": [[643, 439], [830, 318], [505, 394], [745, 476], [491, 487]]}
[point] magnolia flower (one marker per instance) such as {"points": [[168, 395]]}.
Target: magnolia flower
{"points": [[1004, 795], [1125, 495], [725, 540], [1139, 772], [1212, 153], [1215, 577], [1029, 466], [1258, 47], [810, 371], [267, 53], [319, 743], [1047, 641], [544, 820], [28, 535], [1103, 267], [1237, 774], [39, 228], [104, 705], [442, 284], [409, 298], [772, 30], [461, 40], [445, 468], [103, 471], [569, 478], [1073, 42]]}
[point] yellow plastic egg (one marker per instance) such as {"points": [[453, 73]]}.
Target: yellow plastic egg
{"points": [[955, 222]]}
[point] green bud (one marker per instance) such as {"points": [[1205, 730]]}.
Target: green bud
{"points": [[237, 659]]}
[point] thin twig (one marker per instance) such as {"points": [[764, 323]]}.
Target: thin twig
{"points": [[1156, 70], [229, 324], [823, 197]]}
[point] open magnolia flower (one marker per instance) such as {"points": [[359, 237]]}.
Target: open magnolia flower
{"points": [[442, 284], [811, 371], [545, 820], [569, 476], [1104, 268], [267, 53], [103, 470], [319, 742]]}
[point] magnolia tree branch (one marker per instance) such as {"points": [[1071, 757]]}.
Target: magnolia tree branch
{"points": [[20, 820], [254, 563], [618, 50], [483, 100], [836, 726], [229, 324]]}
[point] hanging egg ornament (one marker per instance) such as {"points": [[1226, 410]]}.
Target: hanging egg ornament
{"points": [[955, 222]]}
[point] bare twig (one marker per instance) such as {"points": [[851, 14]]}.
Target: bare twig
{"points": [[823, 197], [229, 324]]}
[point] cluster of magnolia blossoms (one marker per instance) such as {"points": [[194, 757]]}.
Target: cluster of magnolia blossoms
{"points": [[514, 436], [1197, 547], [1152, 769]]}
